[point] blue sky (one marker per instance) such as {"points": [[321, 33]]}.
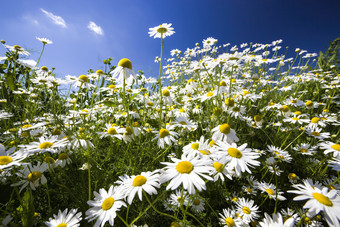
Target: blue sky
{"points": [[121, 28]]}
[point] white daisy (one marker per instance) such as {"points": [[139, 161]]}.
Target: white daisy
{"points": [[161, 31], [165, 135], [319, 200], [65, 218], [10, 158], [112, 131], [330, 147], [276, 221], [224, 133], [197, 204], [123, 72], [104, 206], [229, 218], [247, 210], [271, 191], [187, 171], [146, 181], [237, 158], [44, 40]]}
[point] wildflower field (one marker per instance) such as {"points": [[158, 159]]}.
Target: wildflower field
{"points": [[225, 136]]}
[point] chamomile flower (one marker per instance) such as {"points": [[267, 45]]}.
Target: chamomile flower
{"points": [[316, 133], [200, 147], [237, 158], [65, 218], [319, 199], [63, 159], [123, 72], [83, 81], [179, 198], [197, 204], [161, 31], [104, 206], [224, 133], [221, 170], [330, 147], [146, 181], [32, 176], [50, 144], [112, 130], [305, 149], [247, 210], [276, 221], [44, 40], [10, 157], [186, 171], [229, 218], [271, 191], [165, 135]]}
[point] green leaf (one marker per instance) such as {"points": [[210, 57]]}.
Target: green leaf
{"points": [[10, 81], [26, 209]]}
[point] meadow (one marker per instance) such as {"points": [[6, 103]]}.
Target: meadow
{"points": [[225, 136]]}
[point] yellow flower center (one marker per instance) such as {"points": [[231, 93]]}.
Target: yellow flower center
{"points": [[205, 152], [225, 128], [184, 167], [35, 175], [129, 131], [44, 68], [257, 118], [163, 133], [322, 199], [99, 71], [315, 120], [293, 101], [212, 142], [303, 150], [111, 131], [4, 160], [49, 160], [235, 153], [236, 109], [309, 103], [135, 124], [108, 203], [174, 224], [285, 108], [315, 133], [297, 112], [112, 86], [196, 202], [230, 102], [292, 176], [246, 210], [229, 222], [45, 145], [195, 146], [295, 118], [183, 123], [63, 156], [62, 225], [209, 94], [56, 131], [270, 191], [150, 103], [166, 93], [125, 63], [139, 181], [223, 83], [17, 47], [271, 104], [161, 29], [336, 147], [83, 78], [218, 166], [182, 110]]}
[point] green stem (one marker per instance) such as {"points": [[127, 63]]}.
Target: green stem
{"points": [[160, 80]]}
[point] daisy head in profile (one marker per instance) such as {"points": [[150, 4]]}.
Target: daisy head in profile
{"points": [[65, 218], [44, 40], [124, 71], [161, 31]]}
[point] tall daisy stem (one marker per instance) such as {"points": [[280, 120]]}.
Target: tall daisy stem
{"points": [[160, 80]]}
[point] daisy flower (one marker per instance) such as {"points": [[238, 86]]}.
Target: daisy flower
{"points": [[44, 40], [319, 200], [224, 133], [229, 218], [83, 82], [165, 135], [104, 206], [276, 221], [10, 158], [305, 149], [63, 159], [161, 31], [197, 204], [65, 218], [50, 144], [271, 191], [123, 72], [146, 181], [237, 158], [330, 147], [112, 131], [200, 147], [316, 133], [32, 176], [179, 198], [187, 171], [247, 210], [220, 170]]}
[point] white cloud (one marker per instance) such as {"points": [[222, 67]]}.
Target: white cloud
{"points": [[97, 29], [56, 19]]}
